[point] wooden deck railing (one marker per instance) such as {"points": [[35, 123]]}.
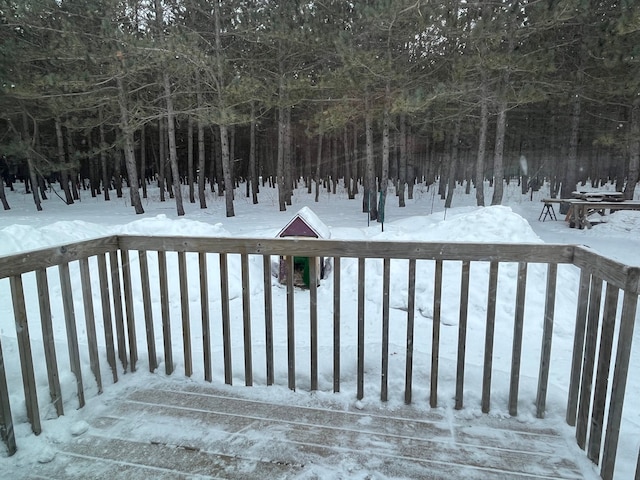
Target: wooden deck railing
{"points": [[114, 273]]}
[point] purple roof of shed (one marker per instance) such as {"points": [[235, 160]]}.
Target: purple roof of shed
{"points": [[305, 223]]}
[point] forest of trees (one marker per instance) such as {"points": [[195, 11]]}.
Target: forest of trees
{"points": [[97, 94]]}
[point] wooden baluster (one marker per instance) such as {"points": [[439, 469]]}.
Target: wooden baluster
{"points": [[489, 336], [106, 315], [361, 300], [336, 324], [164, 308], [411, 302], [148, 310], [518, 327], [246, 320], [435, 338], [462, 334], [291, 332], [49, 341], [184, 309], [117, 308], [90, 322], [588, 365], [204, 313], [578, 347], [547, 335], [226, 322], [26, 357], [72, 334], [268, 317], [128, 303], [386, 282], [313, 320], [6, 421]]}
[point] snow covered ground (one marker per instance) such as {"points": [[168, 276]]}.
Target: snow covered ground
{"points": [[423, 219]]}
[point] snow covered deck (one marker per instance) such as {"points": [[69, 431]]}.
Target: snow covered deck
{"points": [[180, 430], [461, 333]]}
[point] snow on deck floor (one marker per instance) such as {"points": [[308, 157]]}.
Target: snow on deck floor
{"points": [[179, 430]]}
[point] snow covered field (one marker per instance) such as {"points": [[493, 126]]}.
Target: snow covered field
{"points": [[423, 219]]}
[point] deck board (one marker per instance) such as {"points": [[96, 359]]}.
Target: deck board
{"points": [[197, 431]]}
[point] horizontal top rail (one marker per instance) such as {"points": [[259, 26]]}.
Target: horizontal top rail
{"points": [[616, 273], [504, 252], [29, 261]]}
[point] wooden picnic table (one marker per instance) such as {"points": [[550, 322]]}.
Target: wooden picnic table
{"points": [[578, 215]]}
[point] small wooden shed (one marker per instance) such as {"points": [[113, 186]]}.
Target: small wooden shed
{"points": [[305, 224]]}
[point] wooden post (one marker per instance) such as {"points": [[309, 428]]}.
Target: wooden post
{"points": [[435, 339], [386, 283], [6, 422], [246, 320], [336, 324], [49, 340], [620, 373], [462, 334], [106, 315], [148, 310], [361, 299], [90, 322], [489, 336], [517, 339], [268, 317], [411, 302], [578, 347], [184, 310], [547, 335], [72, 334], [204, 313], [164, 308]]}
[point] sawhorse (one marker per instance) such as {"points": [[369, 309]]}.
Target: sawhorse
{"points": [[547, 211]]}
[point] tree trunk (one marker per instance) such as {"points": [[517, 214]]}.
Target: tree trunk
{"points": [[253, 172], [201, 153], [307, 159], [224, 134], [384, 176], [498, 158], [369, 199], [106, 183], [482, 147], [190, 180], [162, 157], [226, 171], [570, 177], [347, 163], [33, 178], [282, 196], [634, 152], [3, 197], [130, 159], [453, 163], [64, 173], [288, 160], [318, 163], [143, 161], [402, 163], [173, 154]]}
